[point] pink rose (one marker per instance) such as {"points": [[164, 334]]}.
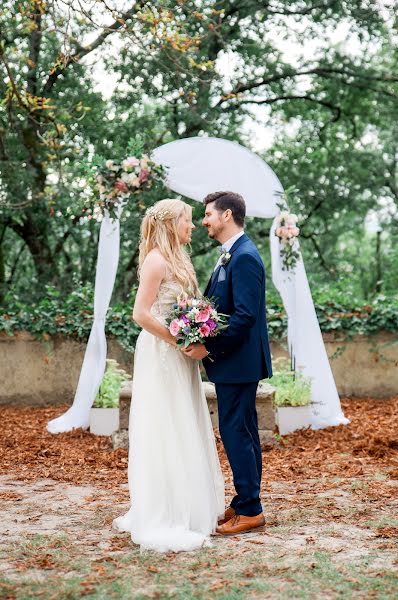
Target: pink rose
{"points": [[143, 176], [174, 327], [130, 163], [121, 186], [203, 315], [204, 330]]}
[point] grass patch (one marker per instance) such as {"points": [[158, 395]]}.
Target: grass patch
{"points": [[217, 574]]}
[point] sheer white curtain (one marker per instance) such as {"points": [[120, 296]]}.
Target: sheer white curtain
{"points": [[305, 340], [95, 356]]}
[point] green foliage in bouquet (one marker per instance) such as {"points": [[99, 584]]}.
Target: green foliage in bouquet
{"points": [[108, 393], [292, 388]]}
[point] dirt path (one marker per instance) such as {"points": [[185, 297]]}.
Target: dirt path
{"points": [[57, 542], [330, 500]]}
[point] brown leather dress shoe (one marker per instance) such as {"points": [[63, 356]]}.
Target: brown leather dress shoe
{"points": [[229, 513], [241, 524]]}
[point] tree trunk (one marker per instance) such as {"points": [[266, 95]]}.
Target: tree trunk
{"points": [[35, 234]]}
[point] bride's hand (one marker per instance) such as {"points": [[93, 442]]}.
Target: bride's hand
{"points": [[195, 351]]}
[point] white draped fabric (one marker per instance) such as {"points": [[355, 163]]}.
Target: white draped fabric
{"points": [[305, 339], [198, 166], [95, 356]]}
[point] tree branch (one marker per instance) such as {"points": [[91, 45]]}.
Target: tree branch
{"points": [[82, 51], [14, 267], [303, 11], [34, 51], [332, 107], [312, 237], [312, 211], [320, 71]]}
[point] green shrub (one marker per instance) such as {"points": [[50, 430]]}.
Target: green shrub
{"points": [[72, 315], [108, 393], [292, 388]]}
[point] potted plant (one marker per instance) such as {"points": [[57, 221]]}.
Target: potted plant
{"points": [[104, 416], [292, 398]]}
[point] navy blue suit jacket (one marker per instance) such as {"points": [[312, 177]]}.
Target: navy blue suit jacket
{"points": [[241, 352]]}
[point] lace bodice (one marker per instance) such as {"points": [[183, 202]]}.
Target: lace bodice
{"points": [[167, 296]]}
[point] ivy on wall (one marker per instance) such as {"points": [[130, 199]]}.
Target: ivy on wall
{"points": [[56, 314]]}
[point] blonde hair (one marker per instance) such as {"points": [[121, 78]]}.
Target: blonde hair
{"points": [[159, 230]]}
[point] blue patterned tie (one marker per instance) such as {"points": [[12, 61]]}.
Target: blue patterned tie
{"points": [[221, 249]]}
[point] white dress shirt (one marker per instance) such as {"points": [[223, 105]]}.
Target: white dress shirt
{"points": [[226, 246]]}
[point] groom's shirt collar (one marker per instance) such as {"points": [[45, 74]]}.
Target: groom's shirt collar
{"points": [[229, 243], [226, 246]]}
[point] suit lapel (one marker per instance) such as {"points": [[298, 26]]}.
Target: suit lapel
{"points": [[213, 279], [239, 241]]}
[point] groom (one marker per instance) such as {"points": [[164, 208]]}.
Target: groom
{"points": [[239, 355]]}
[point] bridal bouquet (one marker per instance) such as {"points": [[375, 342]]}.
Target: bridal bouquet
{"points": [[193, 320]]}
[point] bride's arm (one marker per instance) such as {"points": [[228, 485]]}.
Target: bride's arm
{"points": [[152, 273]]}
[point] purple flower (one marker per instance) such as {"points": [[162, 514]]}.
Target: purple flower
{"points": [[185, 319], [211, 324]]}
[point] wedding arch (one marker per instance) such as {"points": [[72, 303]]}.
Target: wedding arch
{"points": [[196, 167]]}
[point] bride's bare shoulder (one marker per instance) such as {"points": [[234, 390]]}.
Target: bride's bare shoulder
{"points": [[154, 262]]}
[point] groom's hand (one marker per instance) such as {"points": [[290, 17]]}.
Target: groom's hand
{"points": [[196, 351]]}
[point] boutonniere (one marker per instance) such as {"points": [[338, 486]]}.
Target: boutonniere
{"points": [[225, 258]]}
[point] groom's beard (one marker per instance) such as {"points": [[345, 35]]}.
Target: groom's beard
{"points": [[214, 233]]}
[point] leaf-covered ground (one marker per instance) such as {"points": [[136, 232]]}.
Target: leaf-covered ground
{"points": [[330, 500]]}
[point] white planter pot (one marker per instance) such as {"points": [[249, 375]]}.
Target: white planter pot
{"points": [[104, 421], [291, 418]]}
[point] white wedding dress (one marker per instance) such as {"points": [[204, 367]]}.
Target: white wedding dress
{"points": [[175, 479]]}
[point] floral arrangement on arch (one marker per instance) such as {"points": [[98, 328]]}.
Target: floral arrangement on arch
{"points": [[118, 180], [287, 231]]}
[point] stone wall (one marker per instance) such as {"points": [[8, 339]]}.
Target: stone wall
{"points": [[46, 372], [37, 373]]}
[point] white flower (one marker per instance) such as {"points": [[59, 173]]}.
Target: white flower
{"points": [[225, 258], [109, 164], [97, 214], [291, 219], [195, 302], [135, 181]]}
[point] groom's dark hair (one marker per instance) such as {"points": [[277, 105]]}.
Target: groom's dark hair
{"points": [[228, 200]]}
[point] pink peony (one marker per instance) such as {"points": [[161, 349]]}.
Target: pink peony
{"points": [[204, 330], [174, 327], [203, 315], [121, 186]]}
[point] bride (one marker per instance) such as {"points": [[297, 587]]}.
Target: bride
{"points": [[175, 480]]}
